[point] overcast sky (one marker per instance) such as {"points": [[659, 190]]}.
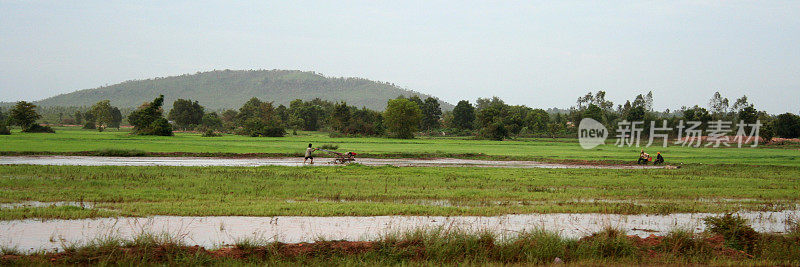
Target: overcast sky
{"points": [[540, 54]]}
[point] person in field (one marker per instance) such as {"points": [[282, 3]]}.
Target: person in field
{"points": [[659, 159], [643, 157], [309, 150]]}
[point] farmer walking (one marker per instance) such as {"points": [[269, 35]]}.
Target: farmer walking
{"points": [[309, 150]]}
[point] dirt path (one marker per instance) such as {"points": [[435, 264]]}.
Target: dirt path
{"points": [[252, 162]]}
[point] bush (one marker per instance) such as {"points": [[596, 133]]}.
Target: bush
{"points": [[737, 233], [495, 131], [36, 128], [4, 130], [256, 127], [607, 244], [89, 125], [159, 127], [211, 133]]}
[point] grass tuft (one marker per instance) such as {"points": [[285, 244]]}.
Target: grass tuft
{"points": [[737, 232]]}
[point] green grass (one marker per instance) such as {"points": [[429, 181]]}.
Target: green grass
{"points": [[362, 190], [53, 212], [72, 139]]}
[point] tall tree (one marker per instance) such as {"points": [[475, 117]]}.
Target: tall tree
{"points": [[149, 119], [3, 117], [464, 115], [787, 125], [116, 118], [431, 114], [211, 121], [718, 106], [740, 104], [340, 118], [103, 114], [402, 118], [537, 120], [23, 114], [186, 113], [259, 119], [78, 117]]}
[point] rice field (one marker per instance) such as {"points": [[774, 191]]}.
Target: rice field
{"points": [[368, 191], [68, 140]]}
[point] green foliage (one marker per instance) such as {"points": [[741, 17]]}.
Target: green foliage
{"points": [[697, 113], [103, 114], [431, 114], [36, 128], [787, 125], [495, 131], [402, 118], [737, 232], [160, 127], [609, 243], [148, 119], [211, 133], [464, 115], [89, 125], [185, 113], [3, 117], [748, 114], [228, 89], [259, 118], [4, 129], [211, 121], [23, 114], [340, 118]]}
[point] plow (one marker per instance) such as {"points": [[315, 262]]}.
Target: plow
{"points": [[341, 158]]}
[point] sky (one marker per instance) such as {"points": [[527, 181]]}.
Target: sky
{"points": [[536, 53]]}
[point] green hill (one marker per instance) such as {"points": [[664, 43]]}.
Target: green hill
{"points": [[229, 89]]}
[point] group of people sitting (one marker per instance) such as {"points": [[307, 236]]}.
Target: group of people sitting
{"points": [[644, 158]]}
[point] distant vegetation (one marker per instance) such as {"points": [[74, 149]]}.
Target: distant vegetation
{"points": [[488, 118], [228, 89]]}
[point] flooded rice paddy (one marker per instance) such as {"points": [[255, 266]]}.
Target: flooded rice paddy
{"points": [[253, 162], [32, 235]]}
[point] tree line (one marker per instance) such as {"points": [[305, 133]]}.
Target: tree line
{"points": [[407, 117]]}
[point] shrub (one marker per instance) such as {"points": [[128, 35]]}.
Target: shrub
{"points": [[737, 233], [4, 130], [495, 131], [211, 133], [36, 128], [160, 127], [609, 243], [89, 125]]}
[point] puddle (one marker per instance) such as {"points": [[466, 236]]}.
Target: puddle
{"points": [[209, 232], [252, 162]]}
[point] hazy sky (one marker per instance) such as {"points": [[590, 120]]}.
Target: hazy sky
{"points": [[540, 54]]}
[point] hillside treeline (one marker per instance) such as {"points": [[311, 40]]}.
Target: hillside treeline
{"points": [[228, 89], [489, 118]]}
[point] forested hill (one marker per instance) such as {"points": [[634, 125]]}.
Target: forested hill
{"points": [[229, 89]]}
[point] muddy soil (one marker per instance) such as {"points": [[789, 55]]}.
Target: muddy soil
{"points": [[252, 162]]}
